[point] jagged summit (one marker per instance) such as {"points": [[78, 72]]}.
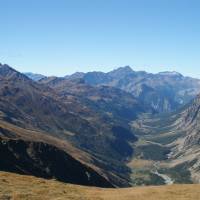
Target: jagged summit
{"points": [[121, 71], [125, 68], [6, 67], [6, 70], [8, 73]]}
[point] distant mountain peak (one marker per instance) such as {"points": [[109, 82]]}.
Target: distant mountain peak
{"points": [[125, 68], [6, 69], [121, 71], [170, 73], [75, 75], [8, 72], [33, 76], [5, 66]]}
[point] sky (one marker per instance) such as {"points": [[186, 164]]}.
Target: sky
{"points": [[59, 37]]}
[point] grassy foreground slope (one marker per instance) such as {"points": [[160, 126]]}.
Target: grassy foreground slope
{"points": [[18, 187]]}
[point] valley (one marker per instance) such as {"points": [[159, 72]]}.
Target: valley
{"points": [[99, 100], [97, 134], [160, 138]]}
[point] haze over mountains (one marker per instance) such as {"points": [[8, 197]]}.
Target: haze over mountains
{"points": [[115, 129], [164, 92]]}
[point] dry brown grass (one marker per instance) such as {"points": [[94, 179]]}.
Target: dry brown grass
{"points": [[18, 187]]}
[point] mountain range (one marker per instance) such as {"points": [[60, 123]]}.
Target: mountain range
{"points": [[115, 129], [164, 91]]}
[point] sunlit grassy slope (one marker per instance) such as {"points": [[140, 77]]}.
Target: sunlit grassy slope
{"points": [[17, 187]]}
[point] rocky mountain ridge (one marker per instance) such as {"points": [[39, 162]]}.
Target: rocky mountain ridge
{"points": [[74, 117], [163, 92], [95, 110]]}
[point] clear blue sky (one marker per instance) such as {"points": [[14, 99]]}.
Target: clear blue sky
{"points": [[63, 36]]}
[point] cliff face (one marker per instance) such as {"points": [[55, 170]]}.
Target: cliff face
{"points": [[186, 148], [189, 122]]}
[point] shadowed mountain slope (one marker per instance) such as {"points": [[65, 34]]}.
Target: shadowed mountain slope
{"points": [[35, 153], [74, 117]]}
